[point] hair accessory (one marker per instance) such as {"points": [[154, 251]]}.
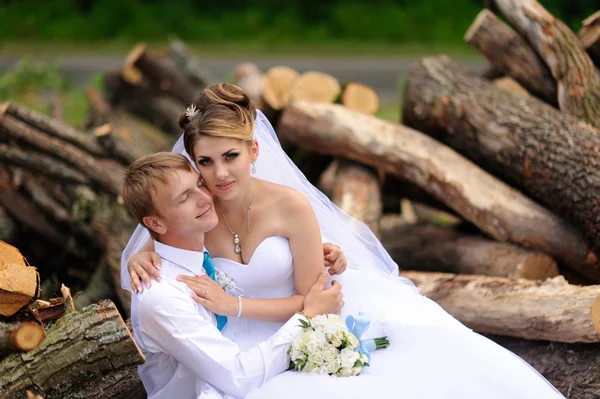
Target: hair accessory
{"points": [[191, 112]]}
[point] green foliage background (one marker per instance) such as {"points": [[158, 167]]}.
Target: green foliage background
{"points": [[258, 21]]}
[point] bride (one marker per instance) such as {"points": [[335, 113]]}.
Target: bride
{"points": [[268, 241]]}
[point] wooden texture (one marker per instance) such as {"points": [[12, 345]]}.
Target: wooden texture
{"points": [[357, 191], [551, 156], [86, 349], [552, 310], [20, 337], [589, 35], [577, 81], [497, 209], [427, 247], [511, 55]]}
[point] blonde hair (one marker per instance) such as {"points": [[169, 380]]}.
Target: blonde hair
{"points": [[220, 110], [139, 184]]}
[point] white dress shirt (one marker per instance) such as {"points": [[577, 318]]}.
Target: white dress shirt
{"points": [[186, 355]]}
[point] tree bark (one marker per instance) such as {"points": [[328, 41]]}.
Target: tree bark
{"points": [[13, 128], [52, 127], [159, 110], [491, 205], [162, 78], [589, 35], [510, 55], [357, 192], [550, 310], [20, 337], [83, 350], [426, 247], [551, 156], [577, 81]]}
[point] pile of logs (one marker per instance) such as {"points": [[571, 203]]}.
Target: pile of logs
{"points": [[485, 195]]}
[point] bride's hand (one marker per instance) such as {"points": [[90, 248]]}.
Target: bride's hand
{"points": [[143, 265], [210, 294], [334, 258]]}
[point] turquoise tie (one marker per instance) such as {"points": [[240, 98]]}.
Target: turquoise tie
{"points": [[209, 267]]}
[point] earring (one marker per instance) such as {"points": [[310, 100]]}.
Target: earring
{"points": [[254, 167]]}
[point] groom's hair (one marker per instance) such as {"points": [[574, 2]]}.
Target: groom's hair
{"points": [[141, 178]]}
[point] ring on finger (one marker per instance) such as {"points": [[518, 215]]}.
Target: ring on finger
{"points": [[205, 293]]}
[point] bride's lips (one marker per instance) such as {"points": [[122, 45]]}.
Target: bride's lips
{"points": [[224, 186]]}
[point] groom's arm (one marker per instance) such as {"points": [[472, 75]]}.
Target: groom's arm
{"points": [[171, 322]]}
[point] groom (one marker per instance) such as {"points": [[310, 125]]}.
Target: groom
{"points": [[186, 355]]}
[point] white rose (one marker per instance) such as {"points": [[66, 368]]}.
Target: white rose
{"points": [[296, 353], [356, 370], [311, 367], [352, 340], [330, 352], [348, 357], [344, 372], [364, 359], [332, 366], [316, 341], [316, 357], [334, 339]]}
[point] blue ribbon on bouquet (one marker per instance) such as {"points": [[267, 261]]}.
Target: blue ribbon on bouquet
{"points": [[358, 325]]}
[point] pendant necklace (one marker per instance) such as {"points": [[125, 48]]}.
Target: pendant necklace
{"points": [[236, 236]]}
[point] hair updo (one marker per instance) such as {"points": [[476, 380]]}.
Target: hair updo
{"points": [[220, 110]]}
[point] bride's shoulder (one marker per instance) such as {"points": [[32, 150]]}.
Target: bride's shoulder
{"points": [[284, 197]]}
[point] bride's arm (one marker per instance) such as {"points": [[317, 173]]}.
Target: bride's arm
{"points": [[143, 265], [302, 229]]}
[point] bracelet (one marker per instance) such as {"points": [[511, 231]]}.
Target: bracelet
{"points": [[301, 313], [239, 313]]}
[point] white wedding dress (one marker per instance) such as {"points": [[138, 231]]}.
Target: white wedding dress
{"points": [[431, 354]]}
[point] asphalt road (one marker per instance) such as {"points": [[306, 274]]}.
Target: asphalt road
{"points": [[382, 74]]}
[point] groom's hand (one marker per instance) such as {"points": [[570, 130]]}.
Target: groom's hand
{"points": [[334, 258], [323, 301]]}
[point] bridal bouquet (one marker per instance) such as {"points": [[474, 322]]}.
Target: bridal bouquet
{"points": [[327, 345]]}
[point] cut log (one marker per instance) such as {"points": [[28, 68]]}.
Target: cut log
{"points": [[112, 143], [19, 286], [53, 127], [16, 129], [550, 310], [249, 78], [159, 110], [549, 155], [359, 97], [571, 368], [278, 83], [315, 86], [20, 337], [357, 192], [589, 35], [510, 54], [22, 210], [577, 80], [86, 349], [427, 247], [162, 78], [478, 197], [191, 67], [41, 163]]}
